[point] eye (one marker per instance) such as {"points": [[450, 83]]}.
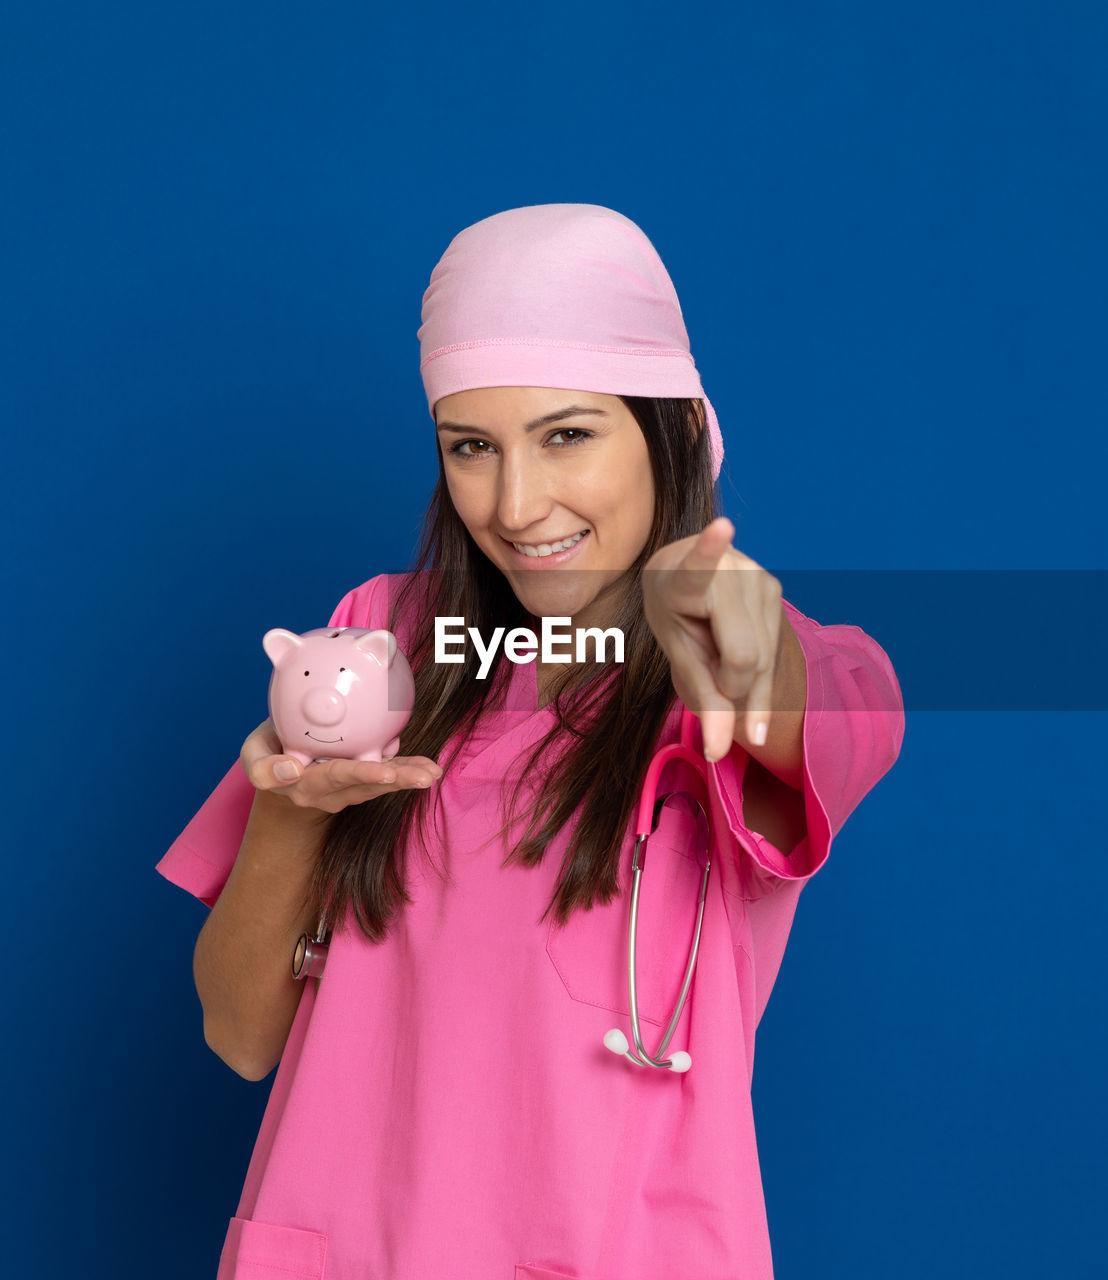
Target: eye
{"points": [[573, 431], [307, 673], [456, 449], [342, 668]]}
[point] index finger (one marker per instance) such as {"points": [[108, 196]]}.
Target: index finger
{"points": [[694, 573], [707, 551]]}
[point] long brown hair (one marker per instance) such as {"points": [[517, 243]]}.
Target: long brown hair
{"points": [[608, 722]]}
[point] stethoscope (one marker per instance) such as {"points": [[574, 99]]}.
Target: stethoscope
{"points": [[310, 954], [650, 808]]}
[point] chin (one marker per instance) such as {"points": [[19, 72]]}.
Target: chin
{"points": [[546, 604]]}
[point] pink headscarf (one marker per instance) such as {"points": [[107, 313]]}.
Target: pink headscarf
{"points": [[557, 295]]}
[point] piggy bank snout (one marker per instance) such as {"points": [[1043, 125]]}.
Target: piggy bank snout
{"points": [[323, 706], [344, 691]]}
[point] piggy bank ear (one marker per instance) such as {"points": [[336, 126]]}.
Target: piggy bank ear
{"points": [[379, 645], [279, 643]]}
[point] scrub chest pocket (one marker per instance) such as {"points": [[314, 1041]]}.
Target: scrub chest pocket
{"points": [[590, 951], [264, 1251]]}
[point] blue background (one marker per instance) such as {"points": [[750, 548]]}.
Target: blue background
{"points": [[886, 225]]}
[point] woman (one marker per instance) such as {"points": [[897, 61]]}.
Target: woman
{"points": [[445, 1104]]}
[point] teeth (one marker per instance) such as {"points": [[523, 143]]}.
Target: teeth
{"points": [[549, 548]]}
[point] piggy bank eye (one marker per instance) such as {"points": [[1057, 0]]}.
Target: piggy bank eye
{"points": [[342, 668], [307, 673]]}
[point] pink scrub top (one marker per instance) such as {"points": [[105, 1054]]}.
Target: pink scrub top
{"points": [[445, 1105]]}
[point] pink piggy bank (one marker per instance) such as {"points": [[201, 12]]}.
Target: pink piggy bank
{"points": [[338, 692]]}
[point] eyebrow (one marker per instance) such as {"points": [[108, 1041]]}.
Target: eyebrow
{"points": [[570, 411]]}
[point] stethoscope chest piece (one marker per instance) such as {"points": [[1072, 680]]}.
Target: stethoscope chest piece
{"points": [[310, 954]]}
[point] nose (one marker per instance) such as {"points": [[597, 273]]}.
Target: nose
{"points": [[523, 500], [323, 706]]}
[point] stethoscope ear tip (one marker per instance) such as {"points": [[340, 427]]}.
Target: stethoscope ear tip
{"points": [[616, 1041], [679, 1061]]}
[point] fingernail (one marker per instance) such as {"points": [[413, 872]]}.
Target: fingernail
{"points": [[286, 770], [760, 731]]}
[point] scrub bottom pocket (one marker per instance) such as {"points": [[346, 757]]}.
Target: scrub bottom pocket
{"points": [[264, 1251]]}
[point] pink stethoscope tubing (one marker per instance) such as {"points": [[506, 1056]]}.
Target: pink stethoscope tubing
{"points": [[681, 752]]}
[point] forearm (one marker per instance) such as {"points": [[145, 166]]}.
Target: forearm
{"points": [[242, 964], [783, 751]]}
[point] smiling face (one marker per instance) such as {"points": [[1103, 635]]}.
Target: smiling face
{"points": [[530, 468]]}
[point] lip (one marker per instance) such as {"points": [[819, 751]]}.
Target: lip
{"points": [[536, 564]]}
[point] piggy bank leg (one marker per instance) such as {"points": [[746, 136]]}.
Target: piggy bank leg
{"points": [[393, 747], [302, 758], [371, 756]]}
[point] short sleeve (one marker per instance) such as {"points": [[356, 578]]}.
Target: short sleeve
{"points": [[853, 730], [201, 858]]}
